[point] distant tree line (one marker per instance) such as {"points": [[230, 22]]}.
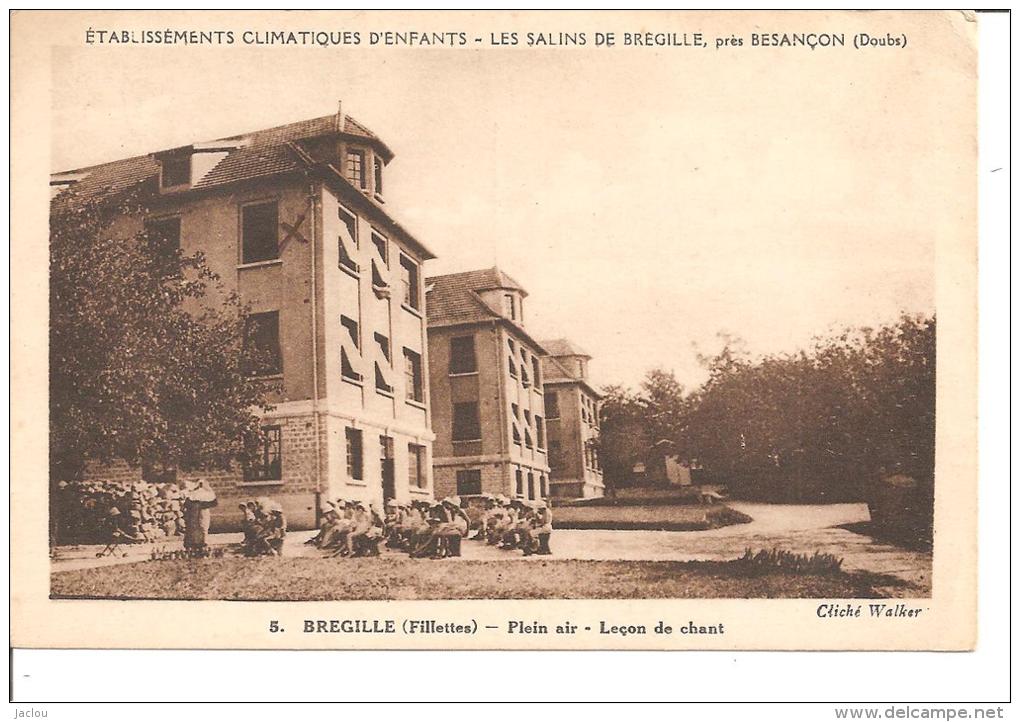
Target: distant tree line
{"points": [[818, 425]]}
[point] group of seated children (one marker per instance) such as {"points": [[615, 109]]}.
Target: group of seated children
{"points": [[264, 527], [433, 529], [422, 528], [515, 524], [349, 528]]}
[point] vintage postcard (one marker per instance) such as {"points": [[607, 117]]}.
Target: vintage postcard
{"points": [[494, 330]]}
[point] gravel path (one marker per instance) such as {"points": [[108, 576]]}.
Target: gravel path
{"points": [[797, 528]]}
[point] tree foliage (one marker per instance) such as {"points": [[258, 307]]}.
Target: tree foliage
{"points": [[142, 368], [816, 424], [624, 438]]}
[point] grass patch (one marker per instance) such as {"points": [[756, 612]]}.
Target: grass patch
{"points": [[312, 579], [650, 497], [655, 517], [772, 560]]}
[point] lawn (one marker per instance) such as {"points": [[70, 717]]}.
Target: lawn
{"points": [[655, 516], [313, 579]]}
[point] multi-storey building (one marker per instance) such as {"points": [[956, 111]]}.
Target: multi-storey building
{"points": [[485, 376], [293, 219], [572, 410]]}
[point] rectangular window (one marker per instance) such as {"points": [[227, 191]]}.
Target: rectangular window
{"points": [[531, 485], [384, 346], [262, 337], [543, 483], [540, 432], [469, 482], [382, 370], [510, 306], [356, 168], [536, 367], [350, 222], [176, 171], [379, 285], [385, 447], [164, 233], [409, 281], [260, 232], [381, 383], [355, 457], [265, 461], [413, 379], [351, 326], [466, 425], [350, 350], [520, 482], [378, 166], [347, 242], [380, 245], [552, 405], [462, 355], [512, 357], [348, 367], [416, 466]]}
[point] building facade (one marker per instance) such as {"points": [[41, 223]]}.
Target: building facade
{"points": [[572, 409], [485, 376], [293, 219]]}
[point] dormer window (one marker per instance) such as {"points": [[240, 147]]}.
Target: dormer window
{"points": [[356, 168], [62, 181], [377, 167], [510, 306], [176, 171]]}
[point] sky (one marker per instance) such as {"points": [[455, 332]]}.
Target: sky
{"points": [[648, 200]]}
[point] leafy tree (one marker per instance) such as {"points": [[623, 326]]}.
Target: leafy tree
{"points": [[819, 423], [143, 367], [623, 438], [665, 409]]}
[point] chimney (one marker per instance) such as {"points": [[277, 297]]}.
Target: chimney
{"points": [[339, 116]]}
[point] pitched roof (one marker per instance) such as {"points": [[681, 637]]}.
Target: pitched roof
{"points": [[454, 298], [564, 347], [553, 370], [498, 279], [266, 152]]}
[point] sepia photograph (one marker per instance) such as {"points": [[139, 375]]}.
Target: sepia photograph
{"points": [[421, 308], [252, 366]]}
